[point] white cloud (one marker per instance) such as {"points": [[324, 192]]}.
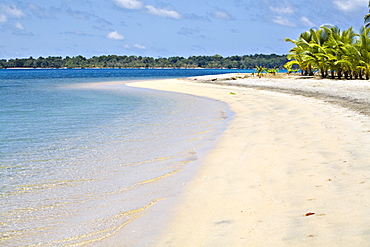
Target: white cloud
{"points": [[18, 26], [221, 15], [12, 10], [306, 22], [327, 25], [283, 10], [129, 4], [350, 5], [163, 12], [139, 46], [115, 35], [283, 21], [135, 4], [3, 18]]}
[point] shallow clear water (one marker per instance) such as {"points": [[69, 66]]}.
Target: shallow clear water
{"points": [[79, 164]]}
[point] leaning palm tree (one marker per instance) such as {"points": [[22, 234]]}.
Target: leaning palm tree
{"points": [[299, 53], [367, 18]]}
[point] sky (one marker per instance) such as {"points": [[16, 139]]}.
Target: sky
{"points": [[165, 28]]}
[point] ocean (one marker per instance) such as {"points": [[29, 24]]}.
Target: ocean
{"points": [[80, 165]]}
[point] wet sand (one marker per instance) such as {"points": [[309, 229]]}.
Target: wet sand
{"points": [[289, 170]]}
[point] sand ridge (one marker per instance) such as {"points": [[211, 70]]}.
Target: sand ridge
{"points": [[282, 157]]}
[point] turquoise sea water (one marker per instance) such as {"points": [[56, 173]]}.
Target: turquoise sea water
{"points": [[78, 165]]}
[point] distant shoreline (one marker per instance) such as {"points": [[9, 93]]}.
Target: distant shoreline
{"points": [[114, 61], [120, 68]]}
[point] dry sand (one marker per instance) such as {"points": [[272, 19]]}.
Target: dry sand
{"points": [[282, 156]]}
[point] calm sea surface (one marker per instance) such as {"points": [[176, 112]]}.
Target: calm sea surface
{"points": [[78, 165]]}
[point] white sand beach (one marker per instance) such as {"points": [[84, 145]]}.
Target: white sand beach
{"points": [[289, 170]]}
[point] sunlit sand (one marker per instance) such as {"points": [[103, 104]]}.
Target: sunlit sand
{"points": [[288, 171]]}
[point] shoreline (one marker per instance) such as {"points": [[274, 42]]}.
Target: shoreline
{"points": [[352, 94], [288, 171]]}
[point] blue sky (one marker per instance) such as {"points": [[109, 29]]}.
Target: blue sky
{"points": [[164, 28]]}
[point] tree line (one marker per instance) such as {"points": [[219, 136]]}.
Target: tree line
{"points": [[332, 52], [114, 61]]}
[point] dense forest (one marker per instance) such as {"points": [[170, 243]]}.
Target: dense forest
{"points": [[114, 61]]}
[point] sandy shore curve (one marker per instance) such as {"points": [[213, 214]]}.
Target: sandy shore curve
{"points": [[289, 170]]}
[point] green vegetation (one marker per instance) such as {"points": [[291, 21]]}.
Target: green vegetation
{"points": [[260, 70], [332, 52], [367, 18], [329, 50], [114, 61]]}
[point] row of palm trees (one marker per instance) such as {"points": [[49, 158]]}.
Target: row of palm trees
{"points": [[329, 50], [332, 53]]}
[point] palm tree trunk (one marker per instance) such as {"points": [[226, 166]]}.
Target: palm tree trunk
{"points": [[345, 73], [322, 73], [339, 73]]}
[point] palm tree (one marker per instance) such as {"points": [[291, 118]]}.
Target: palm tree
{"points": [[363, 47], [367, 18], [318, 54], [298, 54], [340, 44], [330, 49]]}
